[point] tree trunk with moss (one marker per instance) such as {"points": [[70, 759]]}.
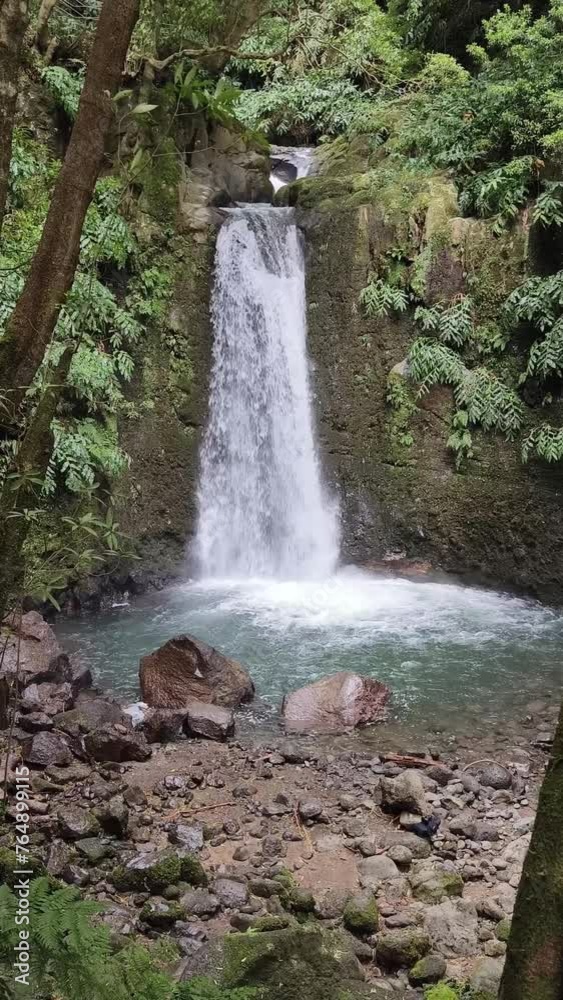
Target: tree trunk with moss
{"points": [[30, 328], [534, 961], [13, 24]]}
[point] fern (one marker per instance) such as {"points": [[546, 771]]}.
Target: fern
{"points": [[82, 450], [379, 298], [64, 87], [548, 210], [453, 325], [432, 363], [545, 442]]}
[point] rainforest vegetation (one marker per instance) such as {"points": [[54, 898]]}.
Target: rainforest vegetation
{"points": [[436, 94]]}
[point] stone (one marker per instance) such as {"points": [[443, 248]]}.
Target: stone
{"points": [[162, 913], [46, 749], [405, 793], [200, 903], [49, 697], [93, 849], [58, 858], [440, 774], [330, 903], [494, 948], [373, 871], [419, 846], [429, 884], [186, 669], [430, 969], [35, 722], [487, 975], [116, 743], [93, 711], [361, 915], [120, 921], [187, 835], [310, 809], [212, 722], [401, 949], [502, 929], [402, 856], [452, 928], [154, 872], [114, 816], [232, 894], [75, 822], [164, 725], [340, 701], [297, 961], [495, 776]]}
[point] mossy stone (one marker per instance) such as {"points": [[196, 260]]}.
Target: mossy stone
{"points": [[440, 886], [162, 913], [502, 929], [154, 873], [9, 865], [271, 922], [403, 948], [361, 914]]}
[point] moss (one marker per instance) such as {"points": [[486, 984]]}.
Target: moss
{"points": [[9, 865], [271, 922], [439, 887], [441, 991], [159, 179], [162, 916], [300, 963], [164, 871], [401, 410], [192, 870], [292, 896], [403, 948], [502, 929], [361, 914]]}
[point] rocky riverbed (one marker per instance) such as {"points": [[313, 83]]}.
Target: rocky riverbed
{"points": [[402, 867]]}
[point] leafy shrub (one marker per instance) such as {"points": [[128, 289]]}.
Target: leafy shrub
{"points": [[65, 88], [380, 298]]}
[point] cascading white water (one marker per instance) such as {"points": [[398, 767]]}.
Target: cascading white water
{"points": [[262, 508]]}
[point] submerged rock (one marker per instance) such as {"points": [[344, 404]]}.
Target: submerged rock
{"points": [[341, 701], [185, 669]]}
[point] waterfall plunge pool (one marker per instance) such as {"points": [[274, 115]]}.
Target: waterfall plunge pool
{"points": [[456, 658]]}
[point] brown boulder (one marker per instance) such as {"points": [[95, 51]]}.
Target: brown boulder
{"points": [[341, 701], [185, 669]]}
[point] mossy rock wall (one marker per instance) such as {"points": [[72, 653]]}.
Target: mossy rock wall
{"points": [[498, 521], [158, 494]]}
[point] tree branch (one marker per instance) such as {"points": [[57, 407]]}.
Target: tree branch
{"points": [[218, 50]]}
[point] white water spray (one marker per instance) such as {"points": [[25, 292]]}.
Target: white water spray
{"points": [[262, 508]]}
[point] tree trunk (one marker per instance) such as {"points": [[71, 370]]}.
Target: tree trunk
{"points": [[13, 24], [534, 960], [52, 271], [46, 8]]}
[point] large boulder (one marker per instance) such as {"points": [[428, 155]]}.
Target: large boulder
{"points": [[46, 749], [296, 962], [341, 701], [209, 721], [117, 744], [185, 669]]}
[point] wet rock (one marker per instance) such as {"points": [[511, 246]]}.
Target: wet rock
{"points": [[361, 915], [164, 725], [189, 836], [75, 822], [341, 701], [401, 949], [46, 749], [373, 871], [452, 927], [186, 669], [161, 913], [116, 743], [209, 721], [232, 894], [430, 969], [405, 793]]}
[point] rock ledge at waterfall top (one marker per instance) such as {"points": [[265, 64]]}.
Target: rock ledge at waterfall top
{"points": [[184, 669], [340, 701]]}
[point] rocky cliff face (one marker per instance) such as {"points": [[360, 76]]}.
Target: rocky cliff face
{"points": [[399, 490]]}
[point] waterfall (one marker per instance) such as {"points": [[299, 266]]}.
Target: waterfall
{"points": [[262, 508]]}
